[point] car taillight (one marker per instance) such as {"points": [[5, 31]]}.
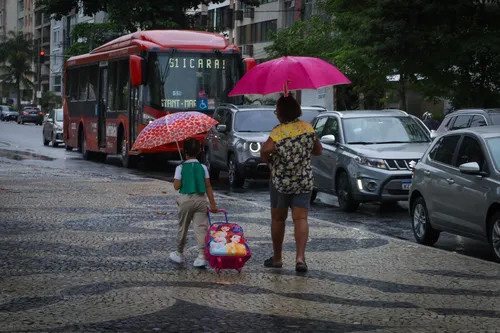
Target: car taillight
{"points": [[40, 113], [25, 112]]}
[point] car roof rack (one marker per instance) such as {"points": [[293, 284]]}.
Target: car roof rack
{"points": [[228, 105], [315, 106]]}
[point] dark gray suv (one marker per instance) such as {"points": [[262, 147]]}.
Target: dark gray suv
{"points": [[466, 118], [234, 145]]}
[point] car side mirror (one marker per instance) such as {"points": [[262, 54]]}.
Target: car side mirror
{"points": [[433, 134], [328, 139], [221, 128], [471, 168]]}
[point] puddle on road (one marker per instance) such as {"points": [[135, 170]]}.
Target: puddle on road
{"points": [[23, 155]]}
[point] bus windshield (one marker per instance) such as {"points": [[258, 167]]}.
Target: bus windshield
{"points": [[195, 81]]}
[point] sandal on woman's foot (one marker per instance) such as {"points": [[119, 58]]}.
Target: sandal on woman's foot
{"points": [[270, 263], [301, 267]]}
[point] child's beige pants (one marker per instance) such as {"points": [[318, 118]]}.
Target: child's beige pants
{"points": [[192, 207]]}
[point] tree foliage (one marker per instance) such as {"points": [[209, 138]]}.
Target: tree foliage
{"points": [[16, 55], [132, 14], [49, 100], [448, 48], [87, 36]]}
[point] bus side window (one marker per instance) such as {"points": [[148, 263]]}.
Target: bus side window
{"points": [[112, 79], [122, 85], [73, 84]]}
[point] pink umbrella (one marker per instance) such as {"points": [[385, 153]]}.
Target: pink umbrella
{"points": [[288, 73]]}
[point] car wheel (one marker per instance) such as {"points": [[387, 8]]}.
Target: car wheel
{"points": [[236, 179], [314, 194], [344, 194], [54, 143], [423, 232], [214, 173], [495, 235]]}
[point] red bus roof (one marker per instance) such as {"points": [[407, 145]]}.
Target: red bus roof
{"points": [[166, 39]]}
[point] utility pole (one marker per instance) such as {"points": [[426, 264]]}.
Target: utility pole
{"points": [[39, 69]]}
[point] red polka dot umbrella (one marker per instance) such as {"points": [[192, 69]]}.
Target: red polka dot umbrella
{"points": [[174, 127]]}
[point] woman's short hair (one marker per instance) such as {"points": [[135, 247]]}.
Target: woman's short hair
{"points": [[192, 147], [288, 109]]}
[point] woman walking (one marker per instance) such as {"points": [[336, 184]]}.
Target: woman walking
{"points": [[288, 151]]}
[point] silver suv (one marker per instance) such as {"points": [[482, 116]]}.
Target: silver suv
{"points": [[367, 155], [234, 145], [456, 185]]}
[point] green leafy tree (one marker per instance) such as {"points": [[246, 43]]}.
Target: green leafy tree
{"points": [[317, 37], [16, 55], [87, 36], [133, 14], [445, 48], [49, 100]]}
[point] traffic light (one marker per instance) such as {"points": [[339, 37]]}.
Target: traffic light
{"points": [[42, 56]]}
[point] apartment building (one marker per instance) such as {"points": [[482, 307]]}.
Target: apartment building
{"points": [[61, 40], [252, 26]]}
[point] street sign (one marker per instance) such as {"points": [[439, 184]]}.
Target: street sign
{"points": [[39, 94]]}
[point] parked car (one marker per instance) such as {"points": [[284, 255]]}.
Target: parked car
{"points": [[53, 128], [367, 156], [468, 118], [234, 145], [455, 188], [30, 114], [8, 113]]}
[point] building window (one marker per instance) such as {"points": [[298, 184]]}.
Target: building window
{"points": [[257, 32], [20, 23], [267, 28], [267, 1], [289, 13], [308, 9], [20, 5], [243, 39]]}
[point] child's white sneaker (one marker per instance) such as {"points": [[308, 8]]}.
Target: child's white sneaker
{"points": [[177, 257], [200, 262]]}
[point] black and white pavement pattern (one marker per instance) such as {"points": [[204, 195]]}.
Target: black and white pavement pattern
{"points": [[83, 252]]}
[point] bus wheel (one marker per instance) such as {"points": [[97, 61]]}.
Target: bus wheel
{"points": [[128, 161], [85, 152]]}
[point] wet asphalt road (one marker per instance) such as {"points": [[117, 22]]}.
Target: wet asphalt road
{"points": [[23, 143]]}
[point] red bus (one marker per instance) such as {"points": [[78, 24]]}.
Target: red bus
{"points": [[113, 92]]}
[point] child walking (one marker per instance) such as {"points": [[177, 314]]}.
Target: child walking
{"points": [[192, 180]]}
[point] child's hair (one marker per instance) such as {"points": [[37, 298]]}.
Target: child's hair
{"points": [[192, 147]]}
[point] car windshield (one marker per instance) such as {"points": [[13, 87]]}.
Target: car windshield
{"points": [[379, 130], [192, 80], [264, 120], [494, 148], [59, 115], [495, 118], [11, 108]]}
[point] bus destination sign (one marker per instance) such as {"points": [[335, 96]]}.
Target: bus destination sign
{"points": [[200, 104]]}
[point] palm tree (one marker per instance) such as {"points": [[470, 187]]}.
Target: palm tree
{"points": [[16, 55]]}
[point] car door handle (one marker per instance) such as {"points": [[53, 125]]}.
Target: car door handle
{"points": [[450, 180], [427, 173]]}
